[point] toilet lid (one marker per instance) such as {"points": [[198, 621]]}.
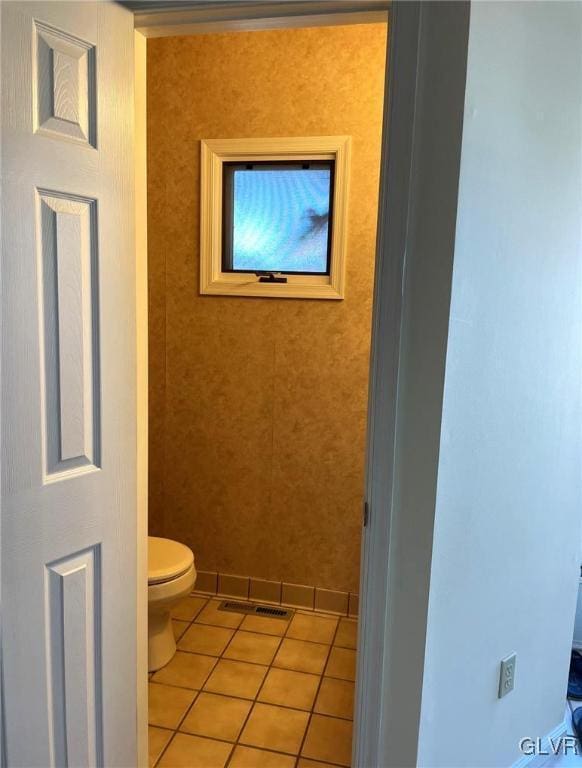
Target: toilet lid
{"points": [[167, 559]]}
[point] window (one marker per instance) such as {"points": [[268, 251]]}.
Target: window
{"points": [[277, 216], [273, 217]]}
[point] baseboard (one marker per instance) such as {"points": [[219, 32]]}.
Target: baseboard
{"points": [[539, 759], [303, 596]]}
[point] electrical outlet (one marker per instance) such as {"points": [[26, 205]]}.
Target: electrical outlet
{"points": [[507, 675]]}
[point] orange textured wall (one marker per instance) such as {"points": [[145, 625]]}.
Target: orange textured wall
{"points": [[258, 406]]}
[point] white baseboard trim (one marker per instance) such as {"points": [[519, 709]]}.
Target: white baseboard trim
{"points": [[539, 759]]}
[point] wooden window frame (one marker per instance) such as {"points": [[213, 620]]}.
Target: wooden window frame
{"points": [[214, 153]]}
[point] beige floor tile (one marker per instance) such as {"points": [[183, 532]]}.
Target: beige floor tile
{"points": [[211, 615], [157, 739], [336, 698], [329, 739], [201, 638], [341, 663], [302, 656], [303, 763], [347, 633], [249, 757], [188, 608], [218, 717], [317, 629], [275, 728], [236, 678], [168, 705], [265, 626], [186, 669], [251, 646], [289, 689], [195, 752], [179, 627]]}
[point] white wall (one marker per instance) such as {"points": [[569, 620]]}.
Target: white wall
{"points": [[506, 542]]}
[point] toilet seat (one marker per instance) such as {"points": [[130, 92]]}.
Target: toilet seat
{"points": [[167, 560]]}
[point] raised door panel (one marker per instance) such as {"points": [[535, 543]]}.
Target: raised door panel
{"points": [[64, 85], [69, 318], [73, 614]]}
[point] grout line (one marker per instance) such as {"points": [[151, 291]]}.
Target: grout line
{"points": [[187, 712], [196, 736], [175, 731], [237, 743], [316, 695], [198, 611], [253, 701], [245, 721], [220, 658], [247, 661], [280, 638], [336, 616], [256, 701], [260, 688], [164, 750], [242, 698], [204, 736]]}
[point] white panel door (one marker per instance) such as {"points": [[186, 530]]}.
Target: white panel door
{"points": [[68, 504]]}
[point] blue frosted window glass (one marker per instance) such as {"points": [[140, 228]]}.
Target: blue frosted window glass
{"points": [[278, 216]]}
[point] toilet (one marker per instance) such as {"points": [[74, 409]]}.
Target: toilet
{"points": [[171, 576]]}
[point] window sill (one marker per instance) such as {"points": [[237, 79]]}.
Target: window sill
{"points": [[296, 287]]}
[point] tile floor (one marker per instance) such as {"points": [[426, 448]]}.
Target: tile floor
{"points": [[252, 692]]}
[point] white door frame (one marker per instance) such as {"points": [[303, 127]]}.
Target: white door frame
{"points": [[165, 18], [141, 271], [420, 162], [416, 233]]}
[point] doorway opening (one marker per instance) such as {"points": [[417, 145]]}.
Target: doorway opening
{"points": [[257, 404]]}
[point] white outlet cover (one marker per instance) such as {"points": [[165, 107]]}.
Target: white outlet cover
{"points": [[507, 675]]}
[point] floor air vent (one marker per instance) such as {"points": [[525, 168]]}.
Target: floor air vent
{"points": [[268, 611]]}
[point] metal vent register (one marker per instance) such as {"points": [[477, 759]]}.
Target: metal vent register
{"points": [[268, 611]]}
